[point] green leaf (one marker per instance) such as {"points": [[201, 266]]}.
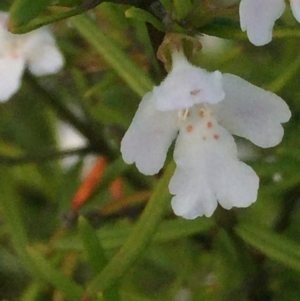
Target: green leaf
{"points": [[275, 246], [10, 207], [92, 245], [32, 291], [127, 69], [182, 8], [46, 271], [144, 16], [12, 212], [95, 254], [166, 4], [22, 11]]}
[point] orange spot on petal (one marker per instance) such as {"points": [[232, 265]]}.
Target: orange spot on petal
{"points": [[204, 137], [209, 124], [216, 136], [189, 128]]}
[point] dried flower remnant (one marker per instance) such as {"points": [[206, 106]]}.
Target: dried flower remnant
{"points": [[208, 170], [35, 49]]}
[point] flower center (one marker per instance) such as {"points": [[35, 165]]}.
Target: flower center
{"points": [[200, 121]]}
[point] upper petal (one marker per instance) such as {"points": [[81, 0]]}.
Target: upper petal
{"points": [[11, 71], [295, 6], [187, 85], [251, 112], [257, 17], [149, 136], [41, 52], [209, 171]]}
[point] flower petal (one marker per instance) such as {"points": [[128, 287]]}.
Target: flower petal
{"points": [[187, 85], [42, 54], [11, 71], [237, 184], [208, 171], [257, 17], [193, 194], [48, 60], [251, 112], [149, 136], [295, 6]]}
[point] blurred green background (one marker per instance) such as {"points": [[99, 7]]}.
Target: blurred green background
{"points": [[47, 254]]}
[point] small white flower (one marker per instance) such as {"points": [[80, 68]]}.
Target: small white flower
{"points": [[36, 49], [208, 170], [257, 17]]}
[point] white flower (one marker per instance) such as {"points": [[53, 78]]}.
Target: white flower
{"points": [[36, 49], [208, 170], [257, 17]]}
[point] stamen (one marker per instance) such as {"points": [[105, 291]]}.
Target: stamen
{"points": [[183, 114], [201, 113]]}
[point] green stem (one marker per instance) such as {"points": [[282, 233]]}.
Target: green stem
{"points": [[85, 6], [235, 33], [138, 240], [39, 22], [44, 156]]}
